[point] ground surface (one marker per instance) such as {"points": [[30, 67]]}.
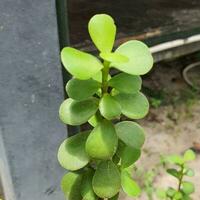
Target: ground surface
{"points": [[174, 125]]}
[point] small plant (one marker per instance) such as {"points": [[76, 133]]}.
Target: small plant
{"points": [[99, 160], [184, 188]]}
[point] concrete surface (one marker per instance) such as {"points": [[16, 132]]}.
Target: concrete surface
{"points": [[30, 94]]}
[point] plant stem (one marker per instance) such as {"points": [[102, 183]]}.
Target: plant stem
{"points": [[105, 72], [181, 178]]}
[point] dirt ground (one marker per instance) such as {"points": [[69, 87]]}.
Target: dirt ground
{"points": [[173, 124]]}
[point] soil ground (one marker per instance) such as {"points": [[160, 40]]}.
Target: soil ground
{"points": [[173, 124]]}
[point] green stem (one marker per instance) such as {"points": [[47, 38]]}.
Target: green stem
{"points": [[105, 72], [181, 178]]}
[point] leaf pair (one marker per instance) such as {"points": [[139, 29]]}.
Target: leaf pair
{"points": [[126, 98], [104, 182], [101, 143], [132, 57], [84, 66], [189, 155], [78, 185]]}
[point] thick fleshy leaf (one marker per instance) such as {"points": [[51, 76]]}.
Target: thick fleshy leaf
{"points": [[98, 77], [95, 119], [189, 155], [188, 187], [114, 57], [129, 186], [139, 55], [129, 155], [71, 153], [102, 31], [133, 106], [109, 107], [126, 83], [80, 64], [131, 133], [102, 141], [86, 186], [82, 89], [77, 112], [106, 180], [70, 185]]}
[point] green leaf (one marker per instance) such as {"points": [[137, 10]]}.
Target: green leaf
{"points": [[98, 77], [77, 112], [129, 155], [171, 192], [95, 119], [109, 107], [102, 141], [80, 64], [70, 185], [189, 155], [161, 193], [86, 186], [82, 89], [188, 187], [114, 57], [190, 172], [71, 153], [102, 31], [129, 186], [174, 173], [106, 180], [133, 106], [130, 133], [175, 159], [126, 83], [186, 197], [178, 196], [140, 58]]}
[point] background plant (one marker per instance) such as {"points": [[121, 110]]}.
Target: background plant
{"points": [[100, 160], [179, 171]]}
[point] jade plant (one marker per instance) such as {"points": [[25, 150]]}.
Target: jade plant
{"points": [[99, 160], [180, 171]]}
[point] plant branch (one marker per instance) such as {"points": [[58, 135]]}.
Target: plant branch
{"points": [[181, 178], [105, 72]]}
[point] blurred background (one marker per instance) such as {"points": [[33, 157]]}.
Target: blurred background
{"points": [[32, 81]]}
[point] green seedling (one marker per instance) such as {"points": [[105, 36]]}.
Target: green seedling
{"points": [[98, 160], [179, 171]]}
